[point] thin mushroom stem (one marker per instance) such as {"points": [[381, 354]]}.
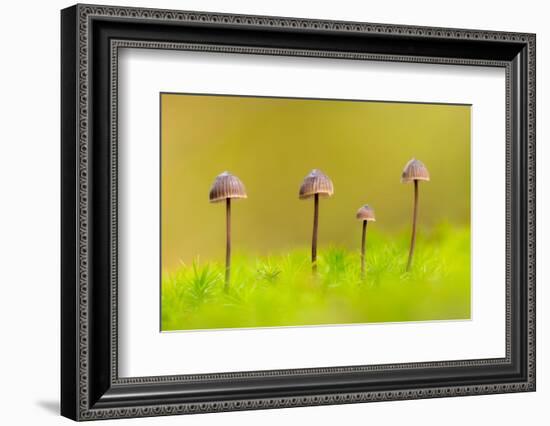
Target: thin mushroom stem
{"points": [[363, 247], [227, 243], [314, 238], [413, 236]]}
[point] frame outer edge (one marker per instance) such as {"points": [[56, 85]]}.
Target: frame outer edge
{"points": [[69, 283], [531, 200]]}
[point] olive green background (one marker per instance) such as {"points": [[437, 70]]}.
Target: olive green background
{"points": [[271, 144]]}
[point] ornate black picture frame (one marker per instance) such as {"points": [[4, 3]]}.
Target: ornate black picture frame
{"points": [[91, 387]]}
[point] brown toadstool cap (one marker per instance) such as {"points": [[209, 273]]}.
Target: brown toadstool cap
{"points": [[226, 186], [414, 170], [366, 213], [316, 183]]}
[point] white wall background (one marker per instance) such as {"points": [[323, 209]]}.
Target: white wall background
{"points": [[29, 211]]}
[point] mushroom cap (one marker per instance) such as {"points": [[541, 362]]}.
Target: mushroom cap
{"points": [[316, 183], [226, 186], [414, 170], [366, 213]]}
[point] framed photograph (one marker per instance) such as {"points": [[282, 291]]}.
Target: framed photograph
{"points": [[263, 212]]}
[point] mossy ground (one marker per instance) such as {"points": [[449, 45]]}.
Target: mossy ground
{"points": [[280, 290]]}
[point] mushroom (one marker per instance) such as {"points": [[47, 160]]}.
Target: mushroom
{"points": [[314, 185], [414, 171], [366, 214], [225, 187]]}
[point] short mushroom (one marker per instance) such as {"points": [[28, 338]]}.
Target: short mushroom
{"points": [[315, 184], [225, 187], [365, 214], [414, 171]]}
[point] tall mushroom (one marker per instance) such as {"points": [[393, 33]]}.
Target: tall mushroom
{"points": [[315, 184], [414, 171], [365, 214], [225, 187]]}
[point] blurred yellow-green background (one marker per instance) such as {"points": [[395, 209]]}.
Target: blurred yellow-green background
{"points": [[271, 144]]}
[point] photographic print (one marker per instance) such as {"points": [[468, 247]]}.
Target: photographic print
{"points": [[301, 212]]}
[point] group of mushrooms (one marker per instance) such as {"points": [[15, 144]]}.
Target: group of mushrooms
{"points": [[316, 185]]}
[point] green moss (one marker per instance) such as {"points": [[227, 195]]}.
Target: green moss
{"points": [[280, 290]]}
